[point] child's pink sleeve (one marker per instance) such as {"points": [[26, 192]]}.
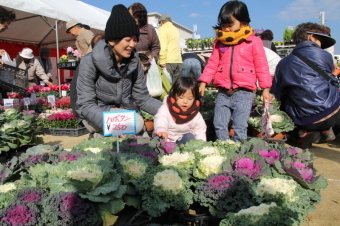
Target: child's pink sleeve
{"points": [[161, 120], [212, 65], [201, 128]]}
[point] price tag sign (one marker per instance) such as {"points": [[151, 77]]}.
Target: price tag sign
{"points": [[63, 93], [119, 123], [27, 101], [42, 83], [51, 99]]}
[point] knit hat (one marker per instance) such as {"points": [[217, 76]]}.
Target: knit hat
{"points": [[45, 52], [120, 24]]}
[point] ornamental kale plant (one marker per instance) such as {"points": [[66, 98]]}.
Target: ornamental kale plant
{"points": [[16, 129], [19, 213], [251, 165], [224, 192], [68, 208], [208, 164], [162, 188], [31, 195]]}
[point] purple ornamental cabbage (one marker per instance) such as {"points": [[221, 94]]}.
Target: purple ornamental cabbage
{"points": [[220, 181], [31, 195], [167, 147], [305, 171], [69, 157], [270, 156], [68, 208], [20, 214], [247, 167], [294, 150]]}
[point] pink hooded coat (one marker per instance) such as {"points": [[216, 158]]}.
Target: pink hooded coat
{"points": [[163, 122], [240, 66]]}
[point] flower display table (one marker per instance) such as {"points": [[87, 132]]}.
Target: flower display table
{"points": [[68, 132]]}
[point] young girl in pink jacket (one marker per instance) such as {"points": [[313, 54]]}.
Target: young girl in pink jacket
{"points": [[178, 119], [238, 60]]}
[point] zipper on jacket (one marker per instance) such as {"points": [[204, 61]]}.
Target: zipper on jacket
{"points": [[231, 67]]}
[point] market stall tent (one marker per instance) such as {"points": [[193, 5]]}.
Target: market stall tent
{"points": [[42, 22]]}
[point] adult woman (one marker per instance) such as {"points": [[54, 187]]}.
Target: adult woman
{"points": [[111, 77], [267, 39], [148, 39], [310, 98]]}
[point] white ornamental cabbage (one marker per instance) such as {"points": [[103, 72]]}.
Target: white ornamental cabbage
{"points": [[7, 187], [94, 150], [168, 180], [6, 126], [208, 151], [275, 186], [176, 159], [257, 210], [276, 118], [134, 169], [90, 172], [211, 164]]}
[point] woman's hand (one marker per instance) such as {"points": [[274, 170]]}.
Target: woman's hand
{"points": [[336, 72], [163, 135], [49, 83], [266, 95], [202, 88]]}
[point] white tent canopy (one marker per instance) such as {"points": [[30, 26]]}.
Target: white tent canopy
{"points": [[36, 21]]}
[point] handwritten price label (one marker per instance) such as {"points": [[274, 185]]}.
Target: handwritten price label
{"points": [[119, 123]]}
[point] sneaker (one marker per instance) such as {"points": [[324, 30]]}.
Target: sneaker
{"points": [[327, 136], [308, 139]]}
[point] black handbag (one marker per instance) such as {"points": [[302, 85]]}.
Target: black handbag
{"points": [[317, 69]]}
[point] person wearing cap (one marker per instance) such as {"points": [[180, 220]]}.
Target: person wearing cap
{"points": [[170, 54], [45, 61], [111, 77], [308, 98], [35, 71], [83, 36]]}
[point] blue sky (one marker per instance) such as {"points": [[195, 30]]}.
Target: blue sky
{"points": [[267, 14]]}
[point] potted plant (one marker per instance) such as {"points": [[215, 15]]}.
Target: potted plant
{"points": [[281, 122], [62, 123], [148, 120]]}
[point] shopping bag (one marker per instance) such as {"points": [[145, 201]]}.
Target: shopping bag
{"points": [[167, 74], [8, 60], [154, 81], [266, 124]]}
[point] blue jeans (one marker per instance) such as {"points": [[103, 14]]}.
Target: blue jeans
{"points": [[237, 106], [191, 65], [185, 138]]}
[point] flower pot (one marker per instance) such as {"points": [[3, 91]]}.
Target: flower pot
{"points": [[148, 125], [231, 131], [276, 136]]}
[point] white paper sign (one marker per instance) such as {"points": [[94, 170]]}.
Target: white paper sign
{"points": [[11, 102], [51, 99], [119, 123], [27, 101], [63, 93], [42, 83]]}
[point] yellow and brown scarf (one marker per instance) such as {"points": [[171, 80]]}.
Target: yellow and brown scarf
{"points": [[234, 37], [180, 116]]}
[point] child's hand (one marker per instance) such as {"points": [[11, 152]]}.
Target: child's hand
{"points": [[163, 135], [202, 88], [266, 95]]}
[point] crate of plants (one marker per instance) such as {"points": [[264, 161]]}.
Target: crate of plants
{"points": [[70, 61], [13, 79], [62, 123]]}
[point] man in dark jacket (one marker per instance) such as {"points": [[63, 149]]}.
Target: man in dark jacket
{"points": [[310, 100]]}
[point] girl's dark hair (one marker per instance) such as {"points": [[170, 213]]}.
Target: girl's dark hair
{"points": [[236, 9], [267, 35], [182, 84], [300, 34], [6, 15], [139, 11]]}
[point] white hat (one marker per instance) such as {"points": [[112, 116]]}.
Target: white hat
{"points": [[26, 53], [70, 24]]}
